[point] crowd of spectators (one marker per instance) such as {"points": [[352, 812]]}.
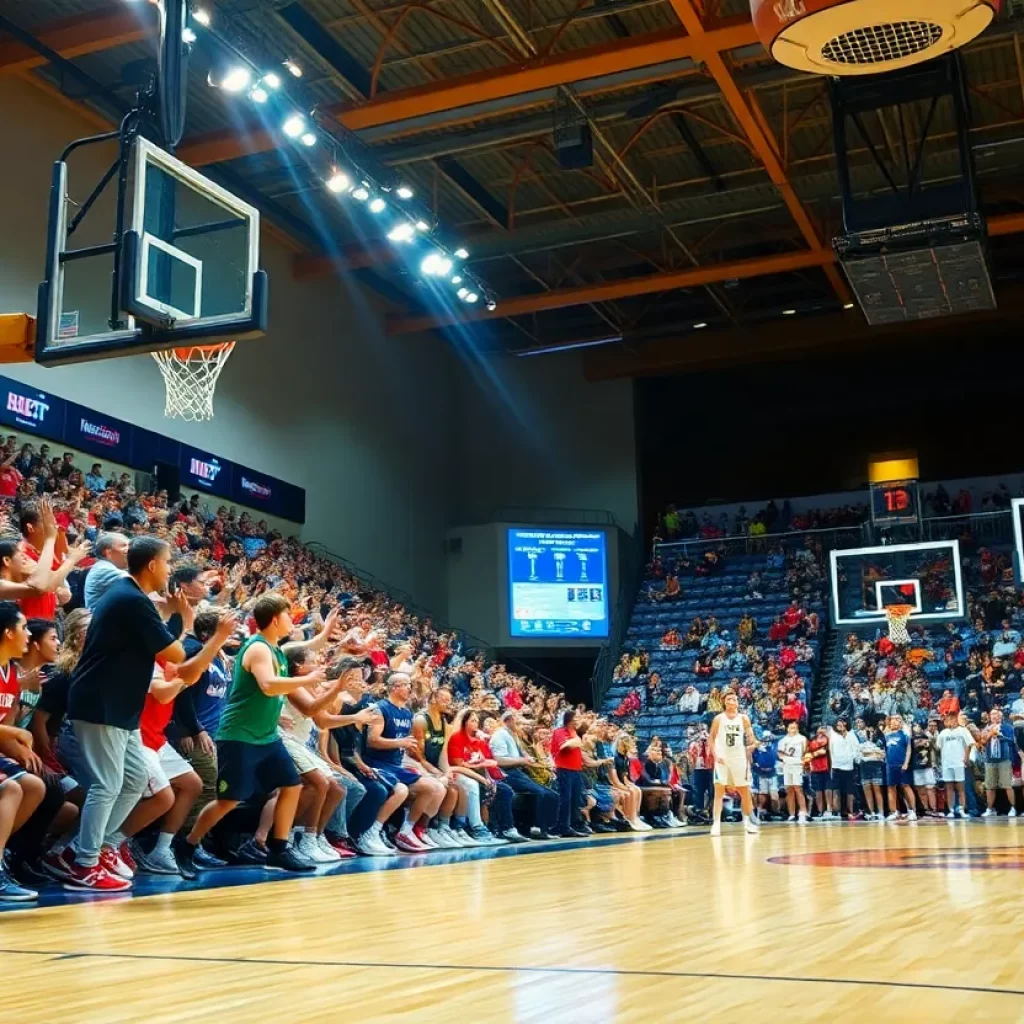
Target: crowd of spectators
{"points": [[674, 525], [182, 687]]}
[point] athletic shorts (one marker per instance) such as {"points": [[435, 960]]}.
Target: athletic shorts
{"points": [[603, 798], [821, 782], [9, 770], [998, 775], [766, 785], [244, 769], [304, 759], [395, 774], [733, 773], [163, 765], [953, 773], [843, 781], [793, 775], [872, 773], [924, 777], [896, 776]]}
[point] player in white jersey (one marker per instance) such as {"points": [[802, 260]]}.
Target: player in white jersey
{"points": [[732, 740]]}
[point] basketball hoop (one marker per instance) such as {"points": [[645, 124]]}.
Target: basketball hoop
{"points": [[191, 376], [898, 615]]}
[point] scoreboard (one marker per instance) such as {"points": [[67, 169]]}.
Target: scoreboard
{"points": [[894, 502]]}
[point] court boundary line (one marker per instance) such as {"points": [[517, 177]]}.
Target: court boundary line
{"points": [[57, 954]]}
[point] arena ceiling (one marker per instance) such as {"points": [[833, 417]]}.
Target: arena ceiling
{"points": [[711, 200]]}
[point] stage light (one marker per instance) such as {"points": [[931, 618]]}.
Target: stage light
{"points": [[404, 192], [258, 94], [201, 17], [462, 293], [788, 312], [294, 126], [272, 80], [848, 305], [492, 304], [462, 254], [422, 225], [402, 232], [472, 297], [293, 69], [699, 327], [188, 36], [457, 279], [234, 79], [309, 139], [361, 193], [338, 181], [378, 205]]}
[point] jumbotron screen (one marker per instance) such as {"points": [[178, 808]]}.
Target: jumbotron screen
{"points": [[558, 583]]}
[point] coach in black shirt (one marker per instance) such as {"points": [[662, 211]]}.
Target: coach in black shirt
{"points": [[108, 690]]}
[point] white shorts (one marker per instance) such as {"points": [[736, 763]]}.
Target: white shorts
{"points": [[766, 785], [924, 777], [305, 759], [163, 765], [793, 775], [953, 773], [734, 772]]}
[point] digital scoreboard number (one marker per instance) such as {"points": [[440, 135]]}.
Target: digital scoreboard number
{"points": [[894, 502]]}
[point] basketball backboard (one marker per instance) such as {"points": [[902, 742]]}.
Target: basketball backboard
{"points": [[865, 581], [182, 268], [1017, 511]]}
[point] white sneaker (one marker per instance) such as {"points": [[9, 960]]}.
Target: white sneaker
{"points": [[751, 826], [675, 822], [408, 842], [716, 829], [371, 846], [453, 837], [792, 817], [1013, 812], [893, 817], [950, 814], [158, 862], [988, 813], [326, 849], [439, 839], [801, 819], [912, 816], [307, 846], [427, 839], [464, 838], [961, 813], [513, 835]]}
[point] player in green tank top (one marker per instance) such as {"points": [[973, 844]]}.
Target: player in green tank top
{"points": [[250, 715], [251, 759]]}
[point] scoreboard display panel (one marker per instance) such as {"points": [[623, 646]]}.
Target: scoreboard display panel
{"points": [[893, 502]]}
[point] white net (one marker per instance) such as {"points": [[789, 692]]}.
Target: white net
{"points": [[191, 377], [898, 616]]}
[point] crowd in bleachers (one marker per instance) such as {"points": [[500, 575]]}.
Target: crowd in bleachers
{"points": [[183, 688], [675, 525]]}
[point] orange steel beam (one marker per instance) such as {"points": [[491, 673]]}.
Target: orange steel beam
{"points": [[755, 127], [610, 290], [74, 37], [1004, 224], [454, 94]]}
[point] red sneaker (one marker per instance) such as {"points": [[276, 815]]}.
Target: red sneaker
{"points": [[338, 845], [112, 863], [408, 843], [95, 879], [59, 865], [124, 851]]}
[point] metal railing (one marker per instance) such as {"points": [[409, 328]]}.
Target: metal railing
{"points": [[745, 544]]}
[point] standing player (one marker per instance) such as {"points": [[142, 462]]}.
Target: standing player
{"points": [[792, 747], [250, 755], [732, 739]]}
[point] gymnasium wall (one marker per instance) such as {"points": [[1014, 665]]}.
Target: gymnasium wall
{"points": [[326, 401], [534, 432]]}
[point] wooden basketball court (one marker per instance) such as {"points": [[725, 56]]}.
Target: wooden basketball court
{"points": [[827, 922]]}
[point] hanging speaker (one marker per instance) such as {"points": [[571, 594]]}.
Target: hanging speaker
{"points": [[866, 37]]}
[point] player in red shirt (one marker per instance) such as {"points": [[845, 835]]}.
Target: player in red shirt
{"points": [[821, 785], [567, 751]]}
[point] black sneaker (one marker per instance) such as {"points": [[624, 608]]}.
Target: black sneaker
{"points": [[28, 872], [251, 852], [288, 860], [576, 832], [543, 835], [185, 857], [602, 826], [206, 860]]}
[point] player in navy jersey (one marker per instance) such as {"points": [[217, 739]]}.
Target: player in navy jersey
{"points": [[897, 768]]}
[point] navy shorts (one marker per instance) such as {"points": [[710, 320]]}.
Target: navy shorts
{"points": [[245, 769], [9, 770], [843, 781], [392, 775], [820, 782], [896, 776], [872, 773]]}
